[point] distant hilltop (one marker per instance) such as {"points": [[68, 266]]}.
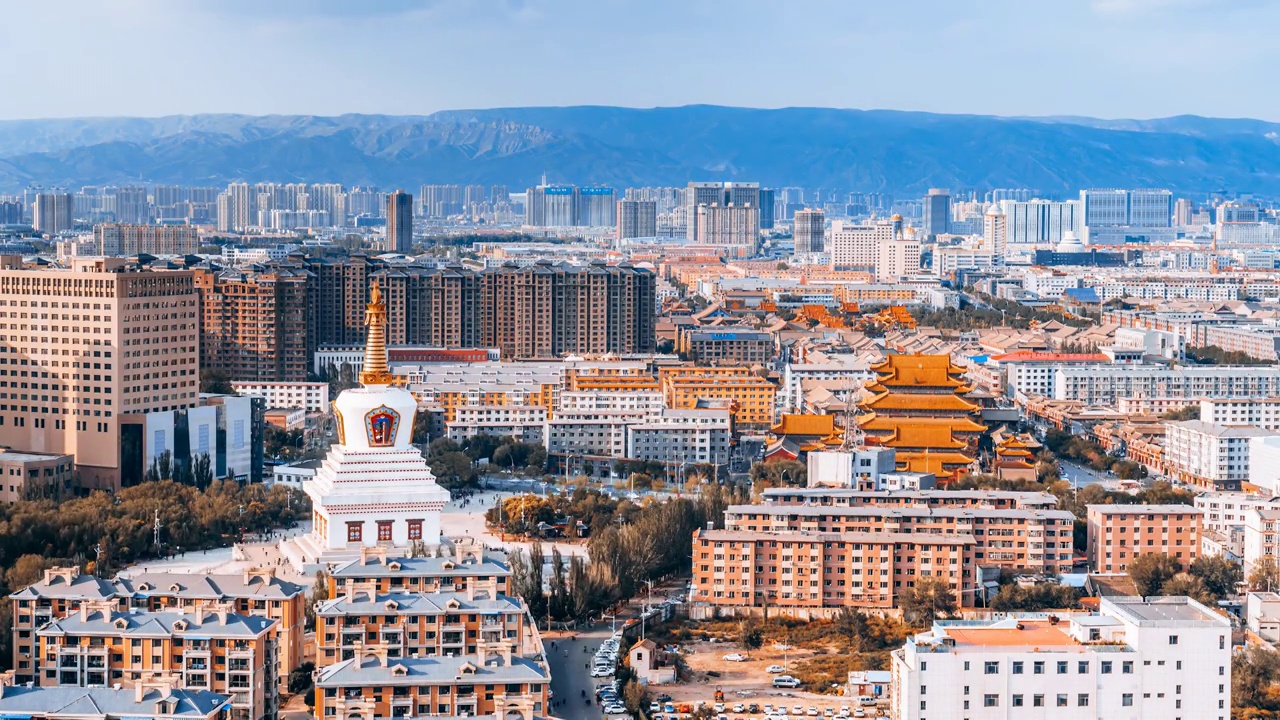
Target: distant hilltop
{"points": [[902, 153]]}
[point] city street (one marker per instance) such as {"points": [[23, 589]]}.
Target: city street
{"points": [[570, 677]]}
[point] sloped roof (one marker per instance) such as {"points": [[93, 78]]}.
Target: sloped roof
{"points": [[819, 425]]}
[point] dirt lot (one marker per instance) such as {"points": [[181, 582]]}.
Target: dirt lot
{"points": [[745, 682]]}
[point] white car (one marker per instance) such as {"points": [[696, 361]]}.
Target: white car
{"points": [[735, 657], [829, 712], [844, 711], [739, 708], [615, 709], [812, 711], [775, 669], [768, 708], [718, 707], [797, 710], [655, 707], [599, 671], [859, 713]]}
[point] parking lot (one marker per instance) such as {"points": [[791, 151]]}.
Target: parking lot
{"points": [[749, 682]]}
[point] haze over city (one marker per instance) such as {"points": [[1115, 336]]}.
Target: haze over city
{"points": [[1103, 58], [623, 360]]}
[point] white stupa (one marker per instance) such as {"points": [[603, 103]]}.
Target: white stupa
{"points": [[374, 488]]}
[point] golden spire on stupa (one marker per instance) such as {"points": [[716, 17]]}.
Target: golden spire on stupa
{"points": [[375, 371]]}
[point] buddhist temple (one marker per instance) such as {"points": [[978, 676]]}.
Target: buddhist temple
{"points": [[797, 435], [1015, 457], [917, 406]]}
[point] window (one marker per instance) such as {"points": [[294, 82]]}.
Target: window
{"points": [[384, 531], [355, 531], [1017, 667], [1126, 667], [1017, 701], [990, 701], [1062, 699], [991, 668], [1062, 667], [1082, 700], [1037, 701], [1106, 667], [1173, 639], [415, 529], [1126, 700], [1082, 667], [1037, 667]]}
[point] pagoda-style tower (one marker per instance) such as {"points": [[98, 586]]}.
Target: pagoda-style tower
{"points": [[918, 408]]}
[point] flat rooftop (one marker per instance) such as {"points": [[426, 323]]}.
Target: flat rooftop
{"points": [[1173, 611], [1026, 633]]}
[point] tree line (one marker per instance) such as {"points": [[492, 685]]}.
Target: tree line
{"points": [[636, 544]]}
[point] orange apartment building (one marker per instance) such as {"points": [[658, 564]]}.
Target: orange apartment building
{"points": [[63, 591], [80, 346], [850, 497], [1031, 540], [254, 326], [209, 648], [471, 569], [419, 624], [1119, 533], [802, 573], [492, 682], [751, 398]]}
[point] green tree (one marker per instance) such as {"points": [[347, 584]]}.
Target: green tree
{"points": [[217, 382], [1188, 585], [1265, 575], [752, 635], [929, 599], [1220, 575], [1150, 571], [1254, 673]]}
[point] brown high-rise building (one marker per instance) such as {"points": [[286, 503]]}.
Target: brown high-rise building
{"points": [[127, 240], [255, 325], [265, 325], [83, 345]]}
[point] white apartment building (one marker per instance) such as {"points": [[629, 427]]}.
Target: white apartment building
{"points": [[684, 436], [947, 259], [1104, 385], [876, 246], [310, 396], [1032, 373], [1226, 510], [596, 434], [648, 402], [1152, 342], [1264, 462], [526, 423], [1159, 657], [1209, 455], [1259, 412], [1048, 283], [1260, 536]]}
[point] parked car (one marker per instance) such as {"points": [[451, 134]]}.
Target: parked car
{"points": [[655, 707], [735, 657], [599, 671], [718, 707], [775, 669], [812, 711], [866, 700], [739, 708], [859, 712]]}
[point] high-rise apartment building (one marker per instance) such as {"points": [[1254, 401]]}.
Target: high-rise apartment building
{"points": [[810, 231], [734, 226], [10, 212], [768, 208], [115, 239], [1040, 221], [1183, 209], [937, 212], [131, 205], [242, 206], [570, 206], [52, 213], [637, 219], [98, 340], [254, 326], [440, 201], [399, 221], [995, 232], [700, 193]]}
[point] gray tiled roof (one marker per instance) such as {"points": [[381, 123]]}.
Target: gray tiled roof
{"points": [[417, 604], [428, 670], [493, 565], [158, 624], [104, 702], [211, 587]]}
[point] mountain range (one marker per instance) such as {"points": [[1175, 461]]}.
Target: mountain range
{"points": [[887, 151]]}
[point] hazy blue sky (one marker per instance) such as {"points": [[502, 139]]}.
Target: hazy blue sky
{"points": [[1110, 58]]}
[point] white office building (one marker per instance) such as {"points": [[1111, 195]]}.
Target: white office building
{"points": [[1040, 222], [310, 396], [1159, 657], [526, 423]]}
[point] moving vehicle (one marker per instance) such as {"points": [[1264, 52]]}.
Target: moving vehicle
{"points": [[785, 681], [775, 669]]}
